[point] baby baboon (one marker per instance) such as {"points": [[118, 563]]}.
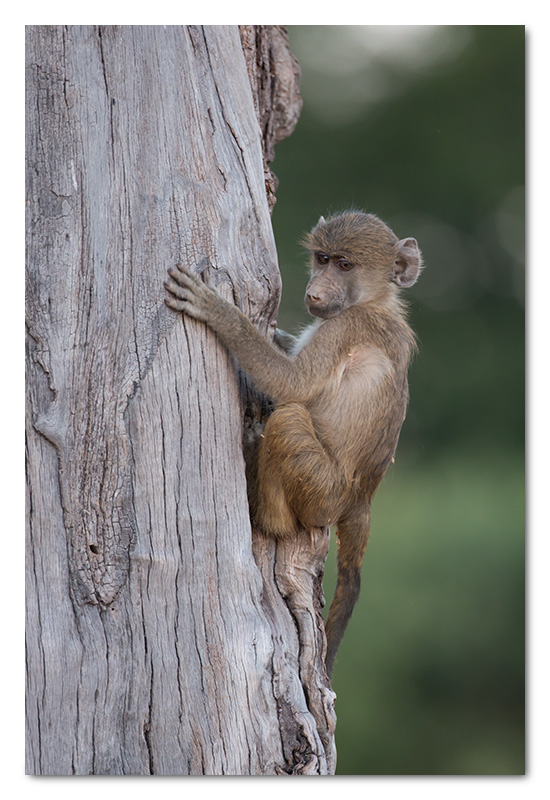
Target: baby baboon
{"points": [[340, 389]]}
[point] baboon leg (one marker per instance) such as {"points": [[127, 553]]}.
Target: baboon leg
{"points": [[353, 534], [298, 483]]}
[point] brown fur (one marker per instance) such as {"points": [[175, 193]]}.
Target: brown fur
{"points": [[340, 391]]}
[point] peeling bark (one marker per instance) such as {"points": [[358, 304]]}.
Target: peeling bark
{"points": [[274, 76], [162, 637]]}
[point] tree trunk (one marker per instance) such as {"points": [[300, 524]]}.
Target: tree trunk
{"points": [[163, 637]]}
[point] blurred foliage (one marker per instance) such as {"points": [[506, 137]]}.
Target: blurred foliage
{"points": [[424, 126]]}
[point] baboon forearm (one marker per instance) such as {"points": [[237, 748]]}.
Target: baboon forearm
{"points": [[274, 372], [284, 341]]}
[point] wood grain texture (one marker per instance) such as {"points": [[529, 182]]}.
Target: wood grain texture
{"points": [[274, 76], [162, 637]]}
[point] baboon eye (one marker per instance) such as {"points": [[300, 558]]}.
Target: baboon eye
{"points": [[322, 258], [345, 264]]}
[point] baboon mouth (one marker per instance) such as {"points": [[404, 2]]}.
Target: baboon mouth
{"points": [[324, 312]]}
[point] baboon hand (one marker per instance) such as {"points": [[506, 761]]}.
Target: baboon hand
{"points": [[190, 295]]}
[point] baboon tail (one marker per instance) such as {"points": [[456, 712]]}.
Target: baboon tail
{"points": [[353, 534]]}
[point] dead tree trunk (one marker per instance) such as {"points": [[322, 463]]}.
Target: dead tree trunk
{"points": [[162, 636]]}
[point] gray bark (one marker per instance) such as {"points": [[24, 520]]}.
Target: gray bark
{"points": [[163, 635]]}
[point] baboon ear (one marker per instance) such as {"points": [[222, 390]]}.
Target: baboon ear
{"points": [[407, 263], [320, 221]]}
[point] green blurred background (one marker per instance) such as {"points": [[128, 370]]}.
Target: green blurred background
{"points": [[424, 126]]}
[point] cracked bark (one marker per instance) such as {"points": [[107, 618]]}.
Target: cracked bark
{"points": [[163, 635]]}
